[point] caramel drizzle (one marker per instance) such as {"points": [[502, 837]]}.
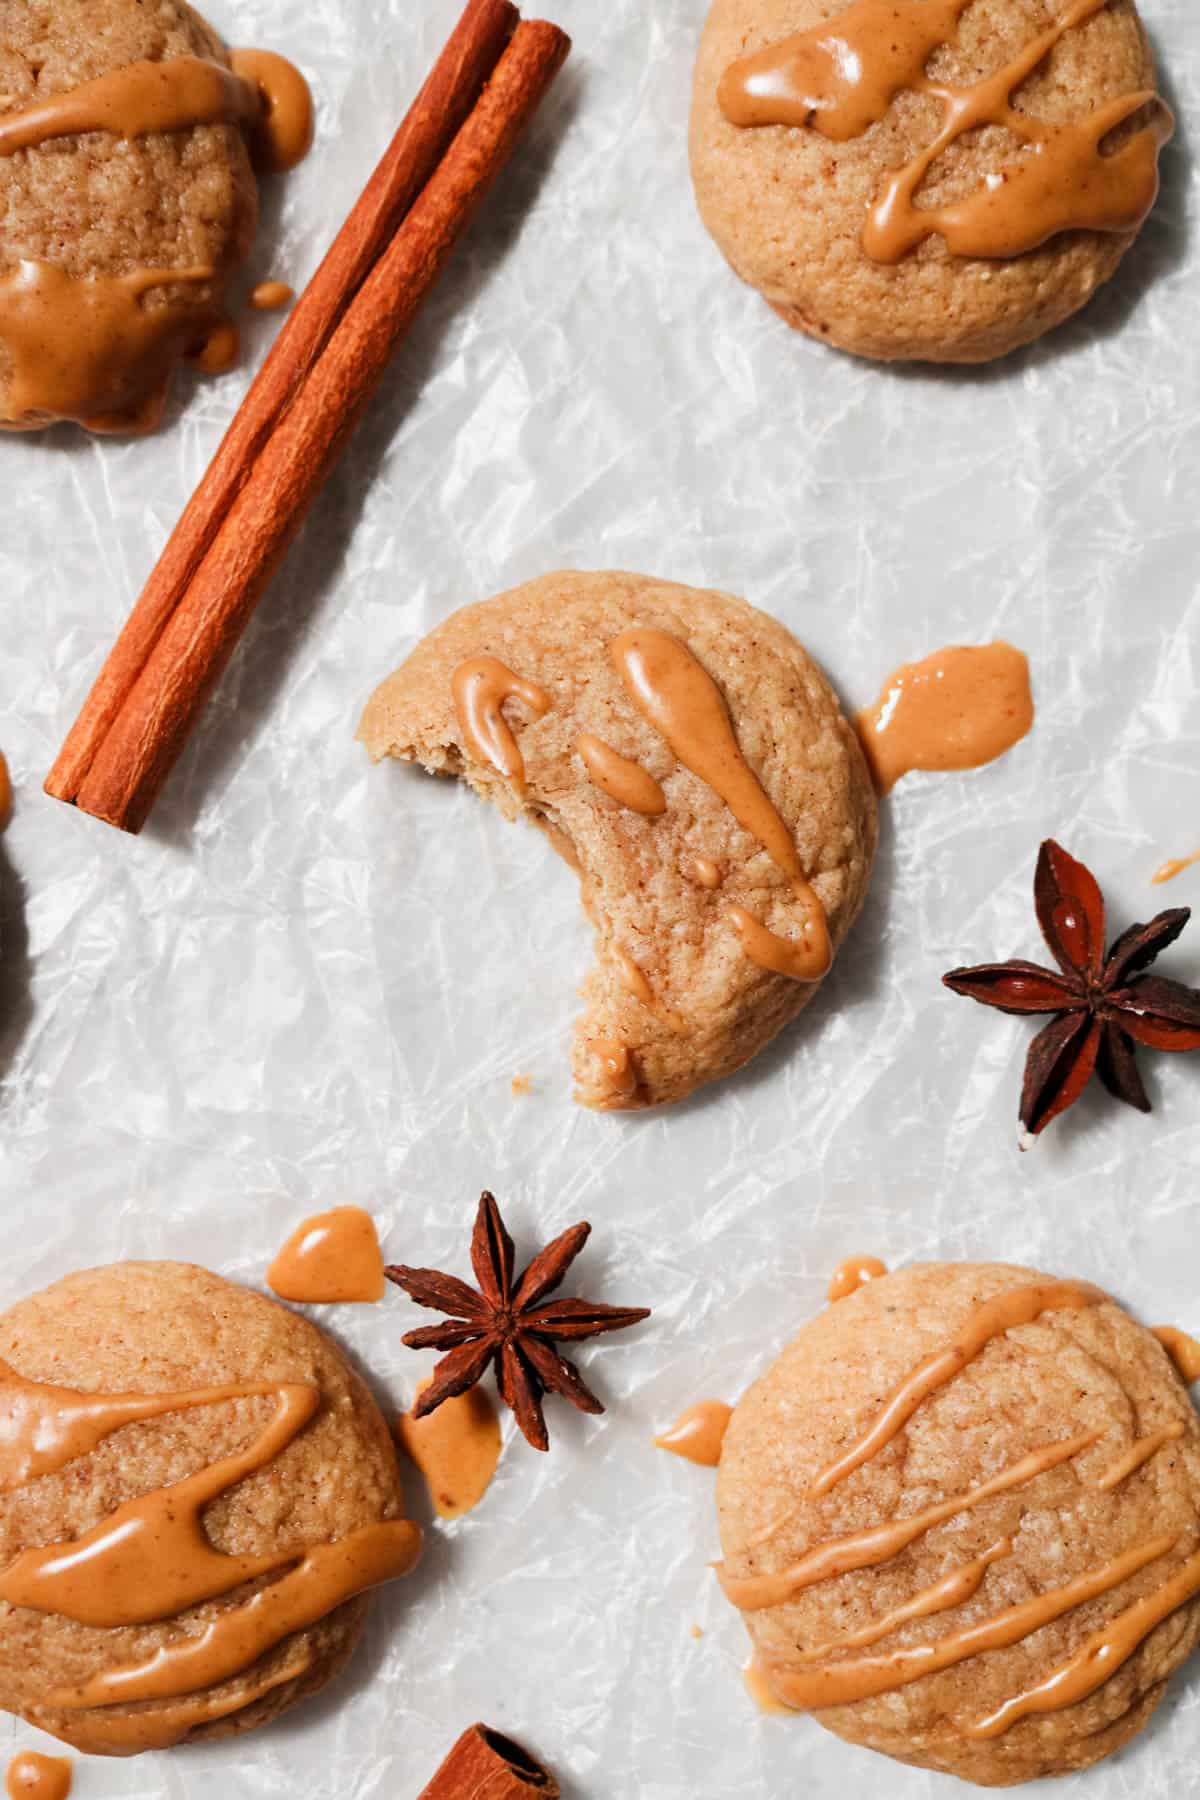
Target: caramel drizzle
{"points": [[1175, 866], [1101, 1655], [1018, 1306], [675, 693], [38, 1777], [838, 1684], [698, 1434], [879, 1543], [482, 686], [841, 77], [704, 872], [957, 709], [333, 1257], [456, 1449], [633, 978], [132, 102], [88, 350], [852, 1274], [954, 1589], [624, 781], [1138, 1454], [1183, 1350], [285, 133]]}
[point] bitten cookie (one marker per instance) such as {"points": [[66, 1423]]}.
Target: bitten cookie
{"points": [[939, 180], [692, 762], [128, 199], [961, 1516], [196, 1491]]}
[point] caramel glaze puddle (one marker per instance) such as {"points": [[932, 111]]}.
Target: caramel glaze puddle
{"points": [[332, 1258], [456, 1449], [842, 75], [675, 693], [958, 709], [698, 1434], [482, 687], [812, 1680], [271, 296], [854, 1273], [151, 1559], [1176, 866], [284, 134], [1183, 1350], [624, 781], [32, 1776]]}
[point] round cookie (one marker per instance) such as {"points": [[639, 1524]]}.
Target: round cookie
{"points": [[1050, 1472], [88, 217], [804, 212], [169, 1330], [683, 894]]}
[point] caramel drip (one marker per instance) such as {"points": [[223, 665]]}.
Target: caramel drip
{"points": [[331, 1258], [1183, 1350], [89, 350], [842, 1683], [32, 1776], [758, 1685], [220, 350], [324, 1578], [285, 129], [456, 1449], [879, 1543], [842, 75], [958, 709], [625, 782], [1018, 1306], [1169, 870], [127, 1734], [620, 1071], [633, 979], [134, 101], [698, 1434], [482, 686], [854, 1273], [704, 873], [151, 1559], [1100, 1656], [675, 693], [42, 1428], [271, 296], [954, 1589], [1138, 1454]]}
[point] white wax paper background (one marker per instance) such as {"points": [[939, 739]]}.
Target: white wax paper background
{"points": [[311, 982]]}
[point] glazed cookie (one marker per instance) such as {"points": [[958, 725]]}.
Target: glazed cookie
{"points": [[940, 180], [961, 1516], [229, 1491], [128, 198], [692, 762]]}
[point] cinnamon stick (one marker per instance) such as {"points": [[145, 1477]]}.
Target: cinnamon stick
{"points": [[438, 113], [483, 1765]]}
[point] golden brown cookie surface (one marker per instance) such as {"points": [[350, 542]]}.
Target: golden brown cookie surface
{"points": [[792, 207], [168, 1329], [939, 1590], [674, 883], [88, 218]]}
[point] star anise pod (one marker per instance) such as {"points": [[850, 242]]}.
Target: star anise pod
{"points": [[1105, 1005], [507, 1322]]}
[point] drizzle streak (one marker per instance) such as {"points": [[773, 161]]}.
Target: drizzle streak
{"points": [[1139, 1454], [32, 1776], [675, 693], [133, 101], [954, 1589], [285, 131], [958, 709], [633, 978], [623, 781], [698, 1434], [842, 75], [331, 1258], [482, 686], [1183, 1350], [854, 1273], [1169, 870]]}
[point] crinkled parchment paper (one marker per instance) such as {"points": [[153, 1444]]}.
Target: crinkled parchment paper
{"points": [[312, 982]]}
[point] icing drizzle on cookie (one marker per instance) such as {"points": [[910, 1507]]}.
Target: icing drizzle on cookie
{"points": [[841, 76], [152, 1560], [482, 687], [675, 693], [624, 781], [1183, 1350], [822, 1675]]}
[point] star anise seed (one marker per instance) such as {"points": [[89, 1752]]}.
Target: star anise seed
{"points": [[1104, 1004], [505, 1322]]}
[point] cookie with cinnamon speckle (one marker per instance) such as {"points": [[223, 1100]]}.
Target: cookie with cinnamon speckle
{"points": [[693, 764], [961, 1516], [941, 180]]}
